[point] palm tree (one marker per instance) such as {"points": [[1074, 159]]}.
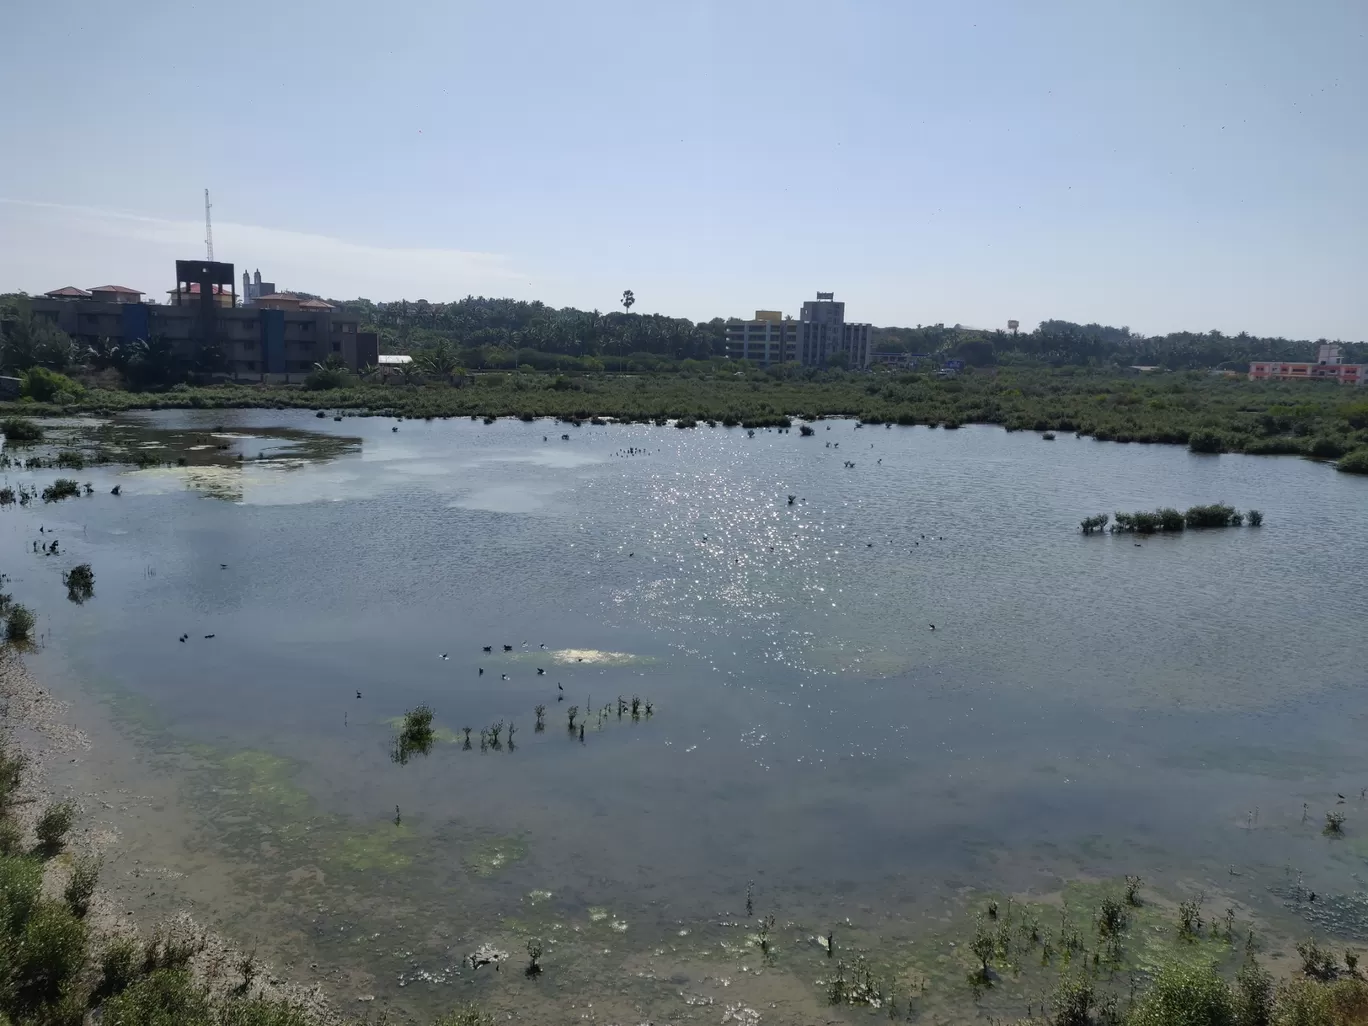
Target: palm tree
{"points": [[105, 353], [628, 299], [440, 360], [152, 361], [408, 373]]}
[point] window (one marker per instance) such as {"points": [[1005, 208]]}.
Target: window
{"points": [[337, 347]]}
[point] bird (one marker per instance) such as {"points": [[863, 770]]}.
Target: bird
{"points": [[207, 637], [504, 676], [358, 694], [932, 626], [540, 671], [542, 645], [560, 687], [631, 554], [481, 671], [1311, 896], [508, 648], [394, 429], [489, 648], [223, 566], [181, 640], [1340, 797], [869, 545], [445, 656]]}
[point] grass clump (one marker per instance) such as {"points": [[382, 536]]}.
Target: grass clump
{"points": [[80, 886], [21, 429]]}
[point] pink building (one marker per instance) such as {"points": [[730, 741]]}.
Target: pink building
{"points": [[1329, 366]]}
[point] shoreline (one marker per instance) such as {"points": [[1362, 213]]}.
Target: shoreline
{"points": [[36, 724]]}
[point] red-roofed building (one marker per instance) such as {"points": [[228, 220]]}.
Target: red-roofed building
{"points": [[116, 294], [1329, 366], [314, 304], [69, 292]]}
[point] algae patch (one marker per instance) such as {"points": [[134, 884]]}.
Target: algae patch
{"points": [[488, 857]]}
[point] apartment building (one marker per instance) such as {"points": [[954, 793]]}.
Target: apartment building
{"points": [[268, 345], [814, 339]]}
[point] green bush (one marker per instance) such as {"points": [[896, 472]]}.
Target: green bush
{"points": [[44, 386], [1216, 515], [21, 429], [120, 967], [53, 825], [19, 626], [326, 379], [1183, 995], [62, 488], [1206, 441], [80, 887], [1355, 463]]}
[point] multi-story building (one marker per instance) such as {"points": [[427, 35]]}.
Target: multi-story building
{"points": [[1329, 366], [272, 345], [768, 339], [820, 333]]}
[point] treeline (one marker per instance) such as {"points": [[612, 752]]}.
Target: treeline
{"points": [[490, 333]]}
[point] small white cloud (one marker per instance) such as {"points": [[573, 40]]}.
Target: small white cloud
{"points": [[49, 245]]}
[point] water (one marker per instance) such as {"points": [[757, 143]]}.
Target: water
{"points": [[1086, 706]]}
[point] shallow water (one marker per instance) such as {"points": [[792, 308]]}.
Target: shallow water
{"points": [[1085, 706]]}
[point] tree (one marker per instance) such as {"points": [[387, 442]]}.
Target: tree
{"points": [[628, 301], [152, 362], [31, 341], [440, 361]]}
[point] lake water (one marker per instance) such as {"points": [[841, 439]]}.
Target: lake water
{"points": [[1085, 707]]}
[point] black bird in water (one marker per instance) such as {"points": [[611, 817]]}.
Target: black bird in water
{"points": [[540, 671], [932, 626], [182, 638], [207, 637], [358, 694], [560, 687], [489, 648], [481, 671], [223, 566], [504, 676], [508, 648], [445, 656]]}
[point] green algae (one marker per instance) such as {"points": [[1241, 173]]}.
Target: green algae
{"points": [[379, 848], [490, 856]]}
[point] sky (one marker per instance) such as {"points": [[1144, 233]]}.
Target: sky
{"points": [[1165, 165]]}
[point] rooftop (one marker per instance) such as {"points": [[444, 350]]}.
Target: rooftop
{"points": [[116, 288], [68, 292]]}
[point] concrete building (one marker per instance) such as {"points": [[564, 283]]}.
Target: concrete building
{"points": [[820, 333], [1329, 366], [767, 340], [257, 344]]}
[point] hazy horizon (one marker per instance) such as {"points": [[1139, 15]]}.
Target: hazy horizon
{"points": [[1168, 167]]}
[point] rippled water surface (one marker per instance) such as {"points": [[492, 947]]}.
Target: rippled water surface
{"points": [[1084, 705]]}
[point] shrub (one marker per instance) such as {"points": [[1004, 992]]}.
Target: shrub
{"points": [[166, 996], [1095, 523], [62, 488], [1206, 441], [1216, 515], [44, 386], [1184, 995], [19, 626], [1355, 463], [11, 837], [1326, 448], [85, 872], [21, 429], [11, 773], [48, 958], [53, 825], [326, 379], [1255, 518], [120, 967], [80, 582]]}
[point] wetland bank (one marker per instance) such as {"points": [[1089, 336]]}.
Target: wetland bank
{"points": [[1183, 710]]}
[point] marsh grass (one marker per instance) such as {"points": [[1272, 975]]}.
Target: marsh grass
{"points": [[19, 624], [1334, 824]]}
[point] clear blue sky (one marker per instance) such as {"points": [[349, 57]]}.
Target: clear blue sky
{"points": [[1164, 164]]}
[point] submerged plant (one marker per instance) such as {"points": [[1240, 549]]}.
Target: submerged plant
{"points": [[53, 825], [19, 626], [541, 717], [1111, 918], [571, 713], [1133, 890], [62, 488], [80, 582], [1095, 523], [1334, 824], [1190, 918]]}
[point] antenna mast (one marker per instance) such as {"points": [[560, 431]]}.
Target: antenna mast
{"points": [[208, 227]]}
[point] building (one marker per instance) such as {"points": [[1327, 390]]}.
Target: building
{"points": [[254, 288], [1329, 366], [820, 334], [767, 340], [908, 360], [269, 345], [116, 294], [189, 295]]}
